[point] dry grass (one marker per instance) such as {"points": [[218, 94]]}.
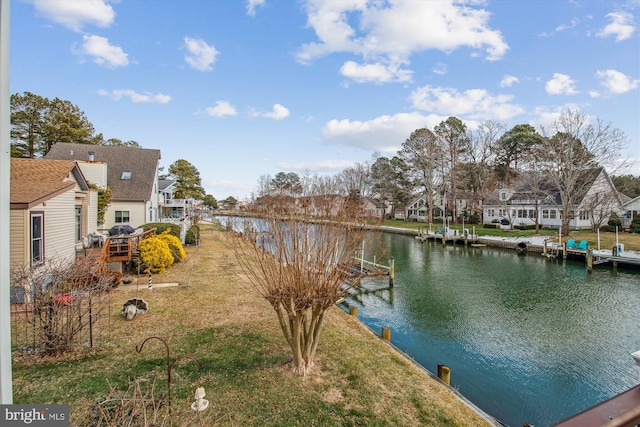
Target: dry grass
{"points": [[216, 318]]}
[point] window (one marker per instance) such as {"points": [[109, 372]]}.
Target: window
{"points": [[545, 213], [584, 215], [78, 223], [552, 214], [532, 213], [122, 217], [126, 176], [503, 196], [37, 238]]}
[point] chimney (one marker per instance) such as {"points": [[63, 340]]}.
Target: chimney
{"points": [[92, 156]]}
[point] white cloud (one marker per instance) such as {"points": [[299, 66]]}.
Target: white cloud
{"points": [[102, 52], [201, 55], [473, 103], [136, 97], [222, 108], [384, 134], [560, 84], [440, 69], [508, 81], [389, 33], [563, 27], [75, 14], [278, 112], [616, 82], [621, 26], [374, 73], [252, 5]]}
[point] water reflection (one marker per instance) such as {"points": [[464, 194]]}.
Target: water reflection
{"points": [[527, 339]]}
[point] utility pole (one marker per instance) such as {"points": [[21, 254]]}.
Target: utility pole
{"points": [[6, 388]]}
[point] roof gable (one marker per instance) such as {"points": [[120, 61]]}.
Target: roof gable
{"points": [[142, 163], [34, 181]]}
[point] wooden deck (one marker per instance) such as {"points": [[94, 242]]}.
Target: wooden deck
{"points": [[118, 248]]}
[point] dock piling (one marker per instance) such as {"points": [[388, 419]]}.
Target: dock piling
{"points": [[444, 373], [386, 334]]}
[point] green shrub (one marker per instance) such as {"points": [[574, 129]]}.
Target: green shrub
{"points": [[161, 227], [493, 225], [475, 218], [193, 235], [155, 253], [525, 227], [177, 250], [614, 221], [608, 228], [635, 225]]}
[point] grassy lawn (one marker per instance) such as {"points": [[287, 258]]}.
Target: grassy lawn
{"points": [[607, 240], [216, 319]]}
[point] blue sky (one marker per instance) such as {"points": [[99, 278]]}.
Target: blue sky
{"points": [[243, 89]]}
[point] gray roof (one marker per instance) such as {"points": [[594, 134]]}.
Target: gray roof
{"points": [[163, 184], [523, 190], [141, 162]]}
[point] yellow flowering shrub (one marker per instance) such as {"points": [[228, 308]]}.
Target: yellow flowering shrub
{"points": [[175, 245], [155, 253]]}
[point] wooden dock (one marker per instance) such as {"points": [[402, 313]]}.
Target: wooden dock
{"points": [[446, 235]]}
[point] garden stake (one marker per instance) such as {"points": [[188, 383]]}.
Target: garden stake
{"points": [[169, 365]]}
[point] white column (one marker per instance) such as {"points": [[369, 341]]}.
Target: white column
{"points": [[6, 388]]}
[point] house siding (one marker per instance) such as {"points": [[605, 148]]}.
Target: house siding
{"points": [[59, 226], [19, 238], [92, 212], [59, 230], [94, 172], [137, 213]]}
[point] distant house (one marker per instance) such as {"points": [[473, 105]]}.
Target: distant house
{"points": [[631, 209], [374, 208], [52, 210], [172, 208], [416, 209], [131, 173], [520, 205]]}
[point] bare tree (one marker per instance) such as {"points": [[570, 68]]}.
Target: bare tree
{"points": [[452, 137], [572, 145], [298, 266], [476, 171], [424, 157]]}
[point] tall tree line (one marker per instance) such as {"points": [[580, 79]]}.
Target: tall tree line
{"points": [[450, 163], [38, 122]]}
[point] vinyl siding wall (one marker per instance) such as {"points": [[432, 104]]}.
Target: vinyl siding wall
{"points": [[19, 237], [59, 226], [137, 213]]}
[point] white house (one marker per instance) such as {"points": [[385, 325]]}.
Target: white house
{"points": [[520, 205], [131, 174]]}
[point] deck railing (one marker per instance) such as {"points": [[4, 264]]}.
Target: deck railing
{"points": [[123, 248]]}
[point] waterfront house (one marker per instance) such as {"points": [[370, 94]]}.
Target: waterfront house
{"points": [[631, 209], [130, 173], [53, 210], [521, 204], [417, 210], [171, 208]]}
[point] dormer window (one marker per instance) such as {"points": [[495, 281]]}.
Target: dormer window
{"points": [[126, 176], [503, 196]]}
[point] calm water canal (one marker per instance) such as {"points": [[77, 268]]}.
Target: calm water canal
{"points": [[528, 340]]}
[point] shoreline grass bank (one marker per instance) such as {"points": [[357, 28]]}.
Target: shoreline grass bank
{"points": [[215, 318]]}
